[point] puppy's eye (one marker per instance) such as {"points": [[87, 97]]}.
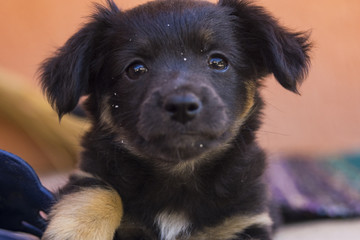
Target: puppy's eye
{"points": [[136, 70], [218, 62]]}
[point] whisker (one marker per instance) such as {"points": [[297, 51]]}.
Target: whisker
{"points": [[274, 133]]}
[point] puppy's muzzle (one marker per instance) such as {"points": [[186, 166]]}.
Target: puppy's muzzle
{"points": [[182, 107], [181, 122], [188, 110]]}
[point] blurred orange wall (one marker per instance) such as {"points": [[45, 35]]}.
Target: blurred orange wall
{"points": [[326, 118]]}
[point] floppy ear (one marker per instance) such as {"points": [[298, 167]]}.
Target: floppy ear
{"points": [[271, 47], [67, 75]]}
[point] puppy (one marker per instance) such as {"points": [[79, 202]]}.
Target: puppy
{"points": [[172, 92]]}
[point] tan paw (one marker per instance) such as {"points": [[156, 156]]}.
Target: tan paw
{"points": [[93, 213]]}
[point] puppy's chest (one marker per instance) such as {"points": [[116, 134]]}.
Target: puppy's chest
{"points": [[173, 225]]}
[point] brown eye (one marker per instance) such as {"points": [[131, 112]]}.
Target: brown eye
{"points": [[136, 70], [218, 62]]}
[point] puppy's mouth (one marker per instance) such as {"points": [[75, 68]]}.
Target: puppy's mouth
{"points": [[174, 142], [182, 146]]}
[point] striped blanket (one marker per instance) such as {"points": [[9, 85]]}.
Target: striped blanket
{"points": [[306, 188]]}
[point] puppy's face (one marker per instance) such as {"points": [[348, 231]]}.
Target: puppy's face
{"points": [[177, 89], [174, 80]]}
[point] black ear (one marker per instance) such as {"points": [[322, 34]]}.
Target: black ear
{"points": [[67, 75], [271, 47]]}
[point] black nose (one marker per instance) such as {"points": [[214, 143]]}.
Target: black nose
{"points": [[182, 108]]}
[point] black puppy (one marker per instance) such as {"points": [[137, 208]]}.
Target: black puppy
{"points": [[173, 98]]}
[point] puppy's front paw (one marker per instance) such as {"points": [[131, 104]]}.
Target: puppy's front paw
{"points": [[93, 213]]}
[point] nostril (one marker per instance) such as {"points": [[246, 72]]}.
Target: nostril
{"points": [[174, 107], [193, 107], [182, 108], [171, 107]]}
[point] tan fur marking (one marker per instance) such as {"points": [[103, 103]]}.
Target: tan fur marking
{"points": [[89, 214], [248, 106], [185, 167], [107, 122], [105, 117], [230, 227], [250, 99]]}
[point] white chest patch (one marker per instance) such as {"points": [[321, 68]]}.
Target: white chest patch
{"points": [[172, 225]]}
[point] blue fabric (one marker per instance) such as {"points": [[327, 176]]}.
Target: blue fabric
{"points": [[21, 196], [6, 235]]}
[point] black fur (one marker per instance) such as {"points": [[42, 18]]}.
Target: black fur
{"points": [[135, 144]]}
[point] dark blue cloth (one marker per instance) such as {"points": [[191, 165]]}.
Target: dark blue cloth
{"points": [[22, 197]]}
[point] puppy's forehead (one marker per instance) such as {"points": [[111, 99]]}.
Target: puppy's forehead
{"points": [[179, 24]]}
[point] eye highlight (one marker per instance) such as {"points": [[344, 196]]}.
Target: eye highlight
{"points": [[218, 62], [136, 70]]}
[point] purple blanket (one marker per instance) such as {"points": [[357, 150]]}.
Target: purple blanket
{"points": [[305, 187]]}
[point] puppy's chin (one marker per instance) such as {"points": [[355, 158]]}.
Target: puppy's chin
{"points": [[181, 148]]}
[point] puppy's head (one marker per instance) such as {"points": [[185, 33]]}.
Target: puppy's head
{"points": [[174, 79]]}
